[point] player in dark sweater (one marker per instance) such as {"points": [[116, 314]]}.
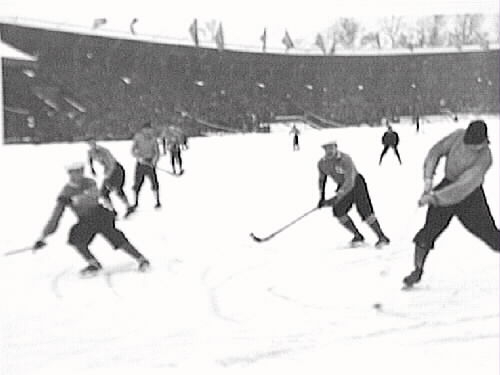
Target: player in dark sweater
{"points": [[390, 139], [81, 195]]}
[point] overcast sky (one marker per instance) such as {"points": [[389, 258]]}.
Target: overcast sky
{"points": [[243, 21]]}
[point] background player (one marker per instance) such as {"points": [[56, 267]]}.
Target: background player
{"points": [[390, 139], [296, 133], [114, 174], [146, 151], [174, 147]]}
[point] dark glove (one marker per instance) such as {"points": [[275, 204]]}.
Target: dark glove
{"points": [[64, 200], [321, 203], [330, 202], [39, 244]]}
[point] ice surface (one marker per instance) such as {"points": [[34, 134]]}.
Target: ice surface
{"points": [[217, 302]]}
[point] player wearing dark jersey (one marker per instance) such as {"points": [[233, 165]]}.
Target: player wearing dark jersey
{"points": [[81, 195], [460, 193], [174, 147], [390, 139], [114, 174], [351, 189], [296, 133]]}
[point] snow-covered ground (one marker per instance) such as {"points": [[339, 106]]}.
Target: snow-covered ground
{"points": [[217, 302]]}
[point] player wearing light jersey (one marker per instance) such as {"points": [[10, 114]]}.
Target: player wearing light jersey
{"points": [[81, 195], [351, 189], [460, 193], [146, 151], [114, 174]]}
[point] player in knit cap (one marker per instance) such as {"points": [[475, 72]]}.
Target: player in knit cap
{"points": [[460, 193]]}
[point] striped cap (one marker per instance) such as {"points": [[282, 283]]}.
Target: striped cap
{"points": [[75, 166], [329, 144]]}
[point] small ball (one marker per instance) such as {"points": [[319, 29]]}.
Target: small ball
{"points": [[377, 306]]}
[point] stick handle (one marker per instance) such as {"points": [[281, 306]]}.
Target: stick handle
{"points": [[18, 251], [288, 225]]}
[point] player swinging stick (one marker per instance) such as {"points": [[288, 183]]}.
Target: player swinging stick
{"points": [[460, 193]]}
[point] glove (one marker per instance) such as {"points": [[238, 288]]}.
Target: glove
{"points": [[39, 244], [332, 201], [427, 199], [327, 202], [93, 172], [427, 185]]}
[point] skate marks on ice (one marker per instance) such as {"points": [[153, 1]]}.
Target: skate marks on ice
{"points": [[70, 284], [213, 290]]}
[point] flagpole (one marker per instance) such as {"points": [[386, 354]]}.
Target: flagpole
{"points": [[2, 134]]}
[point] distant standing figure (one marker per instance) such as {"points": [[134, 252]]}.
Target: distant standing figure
{"points": [[390, 139], [174, 147], [147, 152], [296, 133]]}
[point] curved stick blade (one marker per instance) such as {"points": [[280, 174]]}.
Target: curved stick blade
{"points": [[255, 238]]}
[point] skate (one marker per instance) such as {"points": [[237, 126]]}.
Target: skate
{"points": [[358, 240], [413, 278], [158, 205], [91, 269], [382, 241], [144, 265]]}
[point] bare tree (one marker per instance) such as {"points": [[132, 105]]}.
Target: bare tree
{"points": [[466, 29], [344, 31], [371, 39], [392, 28], [208, 30], [431, 31]]}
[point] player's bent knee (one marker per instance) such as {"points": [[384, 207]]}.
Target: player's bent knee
{"points": [[370, 219], [343, 219]]}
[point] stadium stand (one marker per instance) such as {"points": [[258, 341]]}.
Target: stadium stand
{"points": [[85, 85]]}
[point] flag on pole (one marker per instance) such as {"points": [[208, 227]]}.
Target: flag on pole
{"points": [[219, 38], [263, 39], [320, 43], [132, 24], [193, 30], [287, 41], [99, 22]]}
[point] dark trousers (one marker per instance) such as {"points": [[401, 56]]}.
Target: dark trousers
{"points": [[296, 142], [384, 151], [164, 145], [175, 156], [100, 220], [359, 196], [141, 171], [473, 212], [114, 182]]}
